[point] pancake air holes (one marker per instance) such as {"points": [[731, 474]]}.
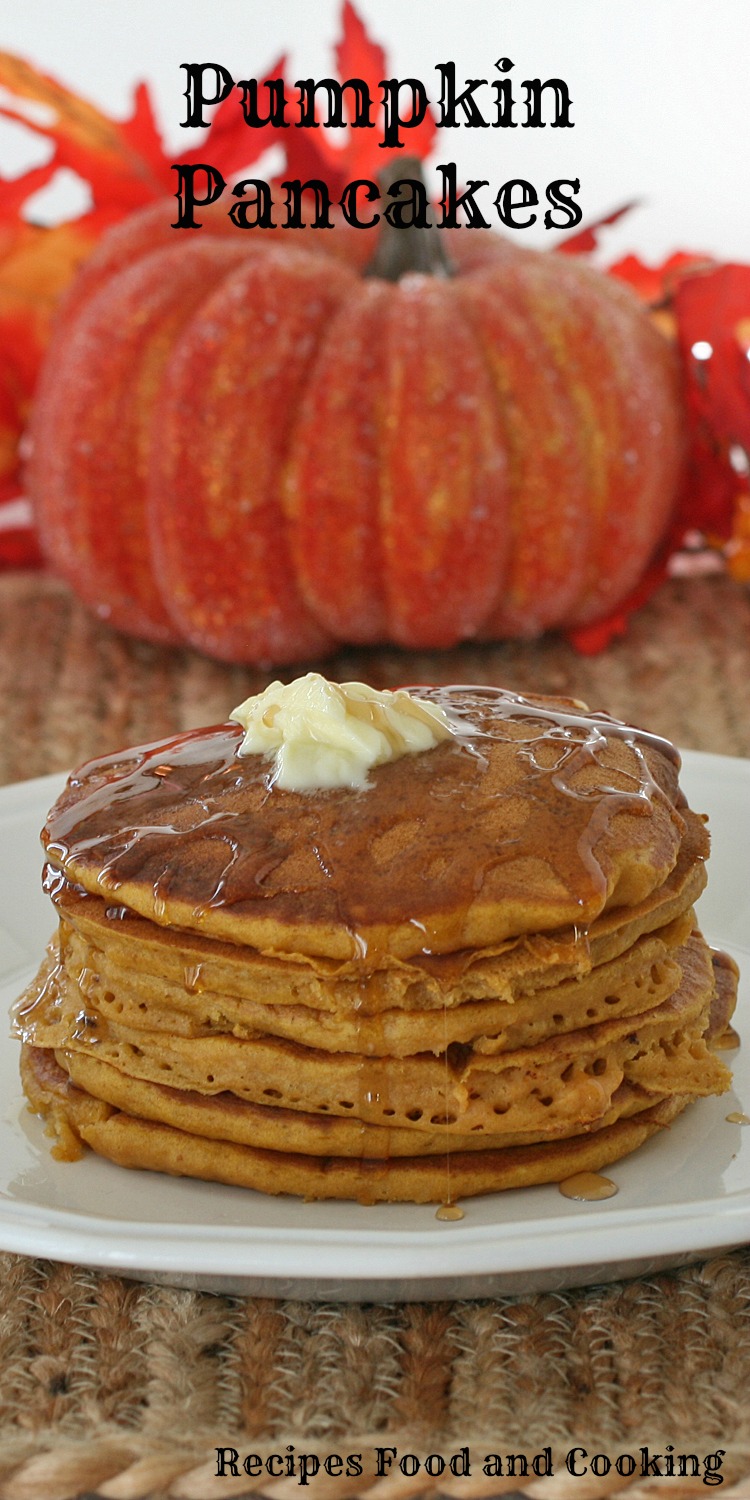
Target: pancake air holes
{"points": [[389, 1111], [272, 1093], [612, 999], [347, 1104], [414, 1114]]}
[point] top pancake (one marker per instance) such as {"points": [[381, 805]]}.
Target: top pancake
{"points": [[537, 816]]}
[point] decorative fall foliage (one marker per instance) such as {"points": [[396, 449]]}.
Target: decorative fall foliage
{"points": [[699, 304], [125, 166]]}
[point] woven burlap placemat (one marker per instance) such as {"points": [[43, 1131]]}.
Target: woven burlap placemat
{"points": [[129, 1390]]}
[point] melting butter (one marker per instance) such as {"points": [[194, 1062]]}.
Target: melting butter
{"points": [[330, 734]]}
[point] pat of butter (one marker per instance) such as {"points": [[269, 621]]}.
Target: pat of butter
{"points": [[329, 734]]}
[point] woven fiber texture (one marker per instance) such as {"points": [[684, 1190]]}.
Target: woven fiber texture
{"points": [[129, 1390], [126, 1391]]}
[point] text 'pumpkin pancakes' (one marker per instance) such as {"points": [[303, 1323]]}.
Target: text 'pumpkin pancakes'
{"points": [[377, 946]]}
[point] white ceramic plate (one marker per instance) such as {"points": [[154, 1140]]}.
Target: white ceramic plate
{"points": [[685, 1194]]}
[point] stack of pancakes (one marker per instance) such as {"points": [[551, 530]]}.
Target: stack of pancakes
{"points": [[481, 971]]}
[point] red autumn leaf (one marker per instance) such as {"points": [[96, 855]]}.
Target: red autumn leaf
{"points": [[357, 55], [229, 143], [713, 326], [314, 153], [124, 163], [710, 489], [125, 166], [15, 191], [656, 284], [86, 141], [709, 312], [587, 239], [705, 307]]}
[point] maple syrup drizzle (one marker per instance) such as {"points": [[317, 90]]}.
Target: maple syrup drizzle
{"points": [[738, 1118], [588, 1187], [722, 960], [449, 1210], [728, 1041]]}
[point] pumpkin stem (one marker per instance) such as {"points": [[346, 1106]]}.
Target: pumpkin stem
{"points": [[409, 247]]}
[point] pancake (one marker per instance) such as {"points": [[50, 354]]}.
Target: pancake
{"points": [[226, 1117], [566, 1081], [114, 991], [106, 939], [478, 970], [570, 815], [143, 1143]]}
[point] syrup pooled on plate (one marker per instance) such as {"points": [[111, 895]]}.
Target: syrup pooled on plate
{"points": [[588, 1187], [450, 1213]]}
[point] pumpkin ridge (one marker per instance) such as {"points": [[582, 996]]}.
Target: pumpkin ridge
{"points": [[648, 427], [222, 444], [444, 492], [545, 548], [95, 483], [582, 361], [330, 487]]}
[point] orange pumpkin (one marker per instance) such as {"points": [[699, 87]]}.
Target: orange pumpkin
{"points": [[241, 442]]}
